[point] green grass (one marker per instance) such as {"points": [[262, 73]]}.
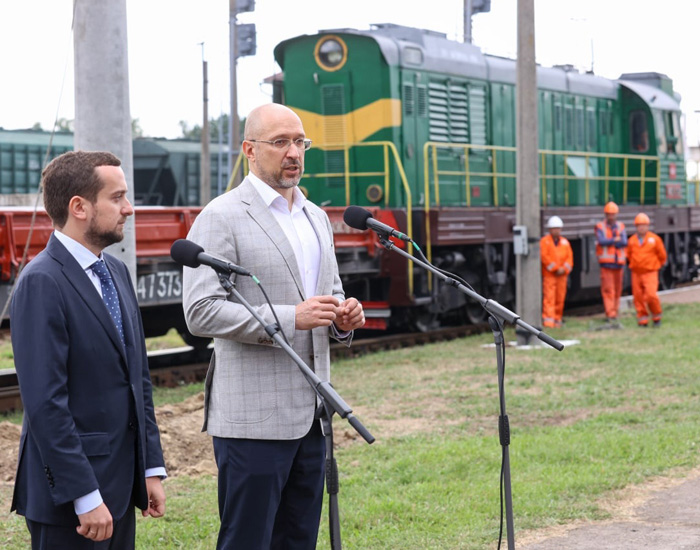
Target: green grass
{"points": [[617, 409]]}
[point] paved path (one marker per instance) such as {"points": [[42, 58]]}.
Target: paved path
{"points": [[669, 519]]}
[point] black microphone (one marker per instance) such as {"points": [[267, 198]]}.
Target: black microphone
{"points": [[192, 255], [360, 218]]}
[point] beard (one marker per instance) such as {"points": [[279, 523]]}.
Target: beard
{"points": [[277, 179], [103, 238]]}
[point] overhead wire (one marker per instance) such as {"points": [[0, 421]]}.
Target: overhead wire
{"points": [[40, 189]]}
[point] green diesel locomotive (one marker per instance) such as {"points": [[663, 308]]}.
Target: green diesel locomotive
{"points": [[421, 130]]}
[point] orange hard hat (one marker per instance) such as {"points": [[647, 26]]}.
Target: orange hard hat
{"points": [[611, 208], [641, 218]]}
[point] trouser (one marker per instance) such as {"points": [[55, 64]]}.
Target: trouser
{"points": [[611, 290], [60, 537], [553, 297], [646, 299], [270, 492]]}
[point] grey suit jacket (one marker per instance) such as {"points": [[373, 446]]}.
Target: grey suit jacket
{"points": [[253, 389]]}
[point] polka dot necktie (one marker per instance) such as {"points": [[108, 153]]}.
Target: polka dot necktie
{"points": [[109, 295]]}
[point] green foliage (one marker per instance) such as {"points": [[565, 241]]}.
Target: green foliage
{"points": [[216, 125]]}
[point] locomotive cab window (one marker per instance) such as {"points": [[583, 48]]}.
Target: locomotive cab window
{"points": [[639, 132], [673, 132]]}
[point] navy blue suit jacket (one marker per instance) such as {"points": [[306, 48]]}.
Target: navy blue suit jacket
{"points": [[88, 412]]}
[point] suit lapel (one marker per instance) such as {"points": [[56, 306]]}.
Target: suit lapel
{"points": [[258, 210], [76, 276]]}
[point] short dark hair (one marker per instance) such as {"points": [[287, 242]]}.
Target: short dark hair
{"points": [[73, 174]]}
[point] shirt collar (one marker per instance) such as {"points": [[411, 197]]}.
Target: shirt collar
{"points": [[81, 254], [269, 195]]}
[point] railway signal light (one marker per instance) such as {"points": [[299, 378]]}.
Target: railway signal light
{"points": [[245, 39], [248, 5]]}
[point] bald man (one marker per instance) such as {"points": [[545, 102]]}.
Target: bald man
{"points": [[259, 408]]}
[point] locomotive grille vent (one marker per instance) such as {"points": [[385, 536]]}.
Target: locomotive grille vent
{"points": [[457, 112], [408, 100]]}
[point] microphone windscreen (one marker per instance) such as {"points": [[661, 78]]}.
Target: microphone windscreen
{"points": [[185, 252], [356, 217]]}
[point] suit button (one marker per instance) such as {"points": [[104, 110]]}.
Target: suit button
{"points": [[132, 426]]}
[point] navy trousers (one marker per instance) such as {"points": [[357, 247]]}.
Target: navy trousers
{"points": [[58, 537], [270, 492]]}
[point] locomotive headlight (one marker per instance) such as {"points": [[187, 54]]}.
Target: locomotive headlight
{"points": [[331, 53]]}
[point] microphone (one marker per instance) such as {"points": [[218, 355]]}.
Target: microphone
{"points": [[192, 255], [360, 218]]}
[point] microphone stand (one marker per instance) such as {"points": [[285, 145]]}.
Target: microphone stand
{"points": [[498, 315], [330, 401]]}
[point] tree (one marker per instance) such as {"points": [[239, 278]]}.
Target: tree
{"points": [[195, 132], [136, 130], [65, 125]]}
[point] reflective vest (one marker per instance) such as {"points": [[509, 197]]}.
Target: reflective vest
{"points": [[611, 242], [647, 255], [556, 255]]}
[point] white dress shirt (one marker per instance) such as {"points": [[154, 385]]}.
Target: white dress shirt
{"points": [[85, 258], [298, 230]]}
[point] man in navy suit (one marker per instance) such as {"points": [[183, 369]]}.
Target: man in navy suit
{"points": [[90, 448]]}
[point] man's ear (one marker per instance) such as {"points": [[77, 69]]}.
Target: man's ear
{"points": [[78, 207], [248, 150]]}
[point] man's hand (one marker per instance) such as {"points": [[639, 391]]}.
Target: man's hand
{"points": [[319, 311], [560, 271], [156, 498], [96, 524], [349, 315]]}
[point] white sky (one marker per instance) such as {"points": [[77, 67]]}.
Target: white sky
{"points": [[165, 58]]}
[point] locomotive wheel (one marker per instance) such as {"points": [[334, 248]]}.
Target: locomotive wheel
{"points": [[666, 279], [424, 321], [475, 313]]}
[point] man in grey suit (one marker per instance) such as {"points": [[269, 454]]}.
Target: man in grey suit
{"points": [[259, 408]]}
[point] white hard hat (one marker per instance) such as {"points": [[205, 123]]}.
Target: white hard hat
{"points": [[554, 221]]}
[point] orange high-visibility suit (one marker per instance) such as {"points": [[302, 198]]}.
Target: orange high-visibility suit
{"points": [[611, 242], [557, 262], [646, 257]]}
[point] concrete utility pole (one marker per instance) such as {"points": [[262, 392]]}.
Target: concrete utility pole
{"points": [[528, 291], [234, 140], [102, 113], [205, 163]]}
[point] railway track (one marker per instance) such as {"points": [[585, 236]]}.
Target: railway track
{"points": [[173, 367]]}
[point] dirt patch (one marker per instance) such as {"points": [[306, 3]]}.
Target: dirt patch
{"points": [[187, 450], [9, 445]]}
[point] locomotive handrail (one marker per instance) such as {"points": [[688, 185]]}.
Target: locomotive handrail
{"points": [[241, 158], [431, 161], [347, 174], [607, 178]]}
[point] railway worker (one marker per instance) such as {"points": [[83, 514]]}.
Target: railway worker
{"points": [[259, 408], [90, 448], [611, 243], [557, 262], [646, 255]]}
